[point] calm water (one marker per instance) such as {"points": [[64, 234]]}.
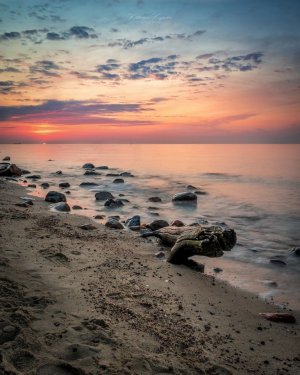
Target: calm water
{"points": [[253, 188]]}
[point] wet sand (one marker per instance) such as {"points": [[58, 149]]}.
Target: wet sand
{"points": [[100, 302]]}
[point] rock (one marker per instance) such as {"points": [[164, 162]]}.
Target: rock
{"points": [[191, 187], [185, 197], [6, 158], [22, 204], [64, 185], [45, 185], [88, 166], [31, 185], [111, 203], [99, 217], [91, 173], [153, 208], [116, 217], [68, 192], [155, 199], [113, 223], [7, 169], [279, 317], [278, 261], [34, 177], [158, 224], [112, 174], [118, 181], [126, 174], [295, 251], [103, 195], [103, 167], [55, 197], [160, 254], [88, 183], [217, 269], [25, 171], [8, 332], [200, 192], [58, 172], [76, 207], [177, 223], [134, 221], [87, 227], [62, 207]]}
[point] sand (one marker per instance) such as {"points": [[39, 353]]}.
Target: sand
{"points": [[100, 302]]}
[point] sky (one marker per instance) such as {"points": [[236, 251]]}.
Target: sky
{"points": [[150, 71]]}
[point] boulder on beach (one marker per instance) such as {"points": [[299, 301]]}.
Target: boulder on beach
{"points": [[158, 224], [118, 181], [126, 174], [112, 174], [88, 183], [25, 171], [103, 195], [55, 197], [185, 197], [102, 167], [45, 185], [88, 166], [62, 207], [64, 185], [155, 199], [134, 221], [6, 158], [111, 203], [91, 173], [58, 172], [87, 226], [76, 207], [177, 223], [34, 177], [7, 169], [114, 224]]}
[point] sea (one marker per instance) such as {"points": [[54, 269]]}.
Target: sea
{"points": [[255, 189]]}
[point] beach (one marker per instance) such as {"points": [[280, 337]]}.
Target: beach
{"points": [[100, 302]]}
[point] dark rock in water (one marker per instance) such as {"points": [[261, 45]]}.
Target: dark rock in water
{"points": [[113, 223], [191, 187], [55, 197], [121, 195], [115, 217], [64, 185], [177, 223], [76, 207], [160, 254], [217, 269], [153, 213], [134, 221], [45, 185], [158, 224], [88, 184], [113, 174], [111, 203], [124, 200], [118, 181], [91, 173], [103, 195], [271, 284], [126, 174], [200, 192], [58, 172], [88, 227], [25, 171], [295, 251], [153, 208], [279, 317], [155, 199], [6, 158], [68, 192], [99, 217], [7, 169], [88, 166], [103, 167], [31, 185], [34, 177], [62, 207], [278, 261], [184, 197]]}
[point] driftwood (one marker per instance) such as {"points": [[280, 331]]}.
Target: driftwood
{"points": [[188, 241]]}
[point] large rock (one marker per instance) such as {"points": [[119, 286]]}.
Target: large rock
{"points": [[185, 197], [55, 197], [103, 195], [7, 169], [64, 185], [88, 183], [88, 166], [118, 181], [62, 207], [114, 223], [111, 203], [134, 221], [158, 224]]}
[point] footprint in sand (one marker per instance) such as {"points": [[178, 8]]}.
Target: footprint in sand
{"points": [[23, 360]]}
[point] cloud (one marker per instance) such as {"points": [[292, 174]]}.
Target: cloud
{"points": [[10, 70], [155, 67], [54, 36], [13, 35], [69, 111], [46, 67], [82, 32], [7, 87]]}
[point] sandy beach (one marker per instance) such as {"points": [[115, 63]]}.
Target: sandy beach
{"points": [[100, 302]]}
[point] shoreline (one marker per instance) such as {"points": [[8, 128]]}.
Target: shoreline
{"points": [[99, 302]]}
